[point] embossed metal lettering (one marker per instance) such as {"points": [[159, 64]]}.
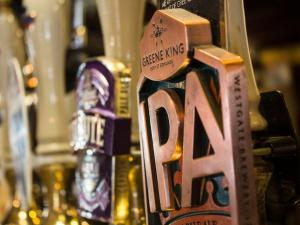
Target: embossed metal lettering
{"points": [[195, 131]]}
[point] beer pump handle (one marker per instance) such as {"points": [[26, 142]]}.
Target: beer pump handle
{"points": [[19, 132], [48, 37], [237, 42], [11, 45], [121, 22], [15, 141]]}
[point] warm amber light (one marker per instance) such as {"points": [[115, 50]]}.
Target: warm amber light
{"points": [[28, 69], [62, 218], [36, 221], [130, 159], [32, 214], [16, 203], [22, 215], [74, 222], [81, 30], [57, 186], [32, 82], [59, 223], [84, 223], [59, 175], [122, 209]]}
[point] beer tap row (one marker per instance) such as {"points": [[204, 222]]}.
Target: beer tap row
{"points": [[135, 112]]}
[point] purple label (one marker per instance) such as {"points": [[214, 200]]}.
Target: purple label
{"points": [[96, 125], [94, 185], [97, 134]]}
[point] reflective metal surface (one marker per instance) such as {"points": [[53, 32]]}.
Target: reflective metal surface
{"points": [[190, 123]]}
